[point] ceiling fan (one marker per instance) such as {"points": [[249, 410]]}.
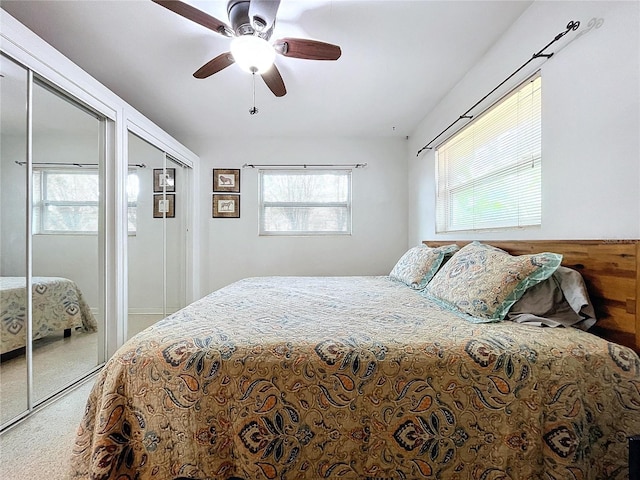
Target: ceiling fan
{"points": [[252, 23]]}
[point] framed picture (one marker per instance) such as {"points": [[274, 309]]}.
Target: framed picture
{"points": [[226, 206], [164, 206], [226, 180], [164, 179]]}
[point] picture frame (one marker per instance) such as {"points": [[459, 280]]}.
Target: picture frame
{"points": [[225, 206], [226, 180], [164, 179], [164, 206]]}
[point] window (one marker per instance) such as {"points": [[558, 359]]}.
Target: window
{"points": [[305, 202], [488, 175], [66, 201]]}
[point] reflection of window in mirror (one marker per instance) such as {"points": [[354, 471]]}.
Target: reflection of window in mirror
{"points": [[66, 201], [133, 190]]}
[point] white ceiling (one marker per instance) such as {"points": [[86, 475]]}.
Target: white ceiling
{"points": [[398, 59]]}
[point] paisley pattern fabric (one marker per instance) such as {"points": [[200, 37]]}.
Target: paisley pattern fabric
{"points": [[419, 264], [482, 282], [355, 378], [57, 304]]}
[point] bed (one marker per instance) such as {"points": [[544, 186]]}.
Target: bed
{"points": [[360, 378], [57, 305]]}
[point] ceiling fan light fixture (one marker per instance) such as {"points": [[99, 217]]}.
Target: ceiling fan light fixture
{"points": [[252, 53]]}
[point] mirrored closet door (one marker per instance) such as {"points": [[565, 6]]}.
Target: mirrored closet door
{"points": [[51, 236], [67, 226], [157, 235]]}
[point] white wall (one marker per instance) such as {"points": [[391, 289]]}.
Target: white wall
{"points": [[590, 123], [231, 249]]}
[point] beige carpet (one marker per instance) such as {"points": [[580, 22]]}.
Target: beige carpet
{"points": [[40, 446]]}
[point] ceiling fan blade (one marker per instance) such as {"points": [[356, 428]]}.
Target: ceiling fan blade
{"points": [[262, 14], [214, 66], [308, 49], [197, 16], [274, 81]]}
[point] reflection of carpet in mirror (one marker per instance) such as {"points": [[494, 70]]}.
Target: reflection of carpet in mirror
{"points": [[57, 361]]}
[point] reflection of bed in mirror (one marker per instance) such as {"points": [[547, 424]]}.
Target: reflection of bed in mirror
{"points": [[58, 305]]}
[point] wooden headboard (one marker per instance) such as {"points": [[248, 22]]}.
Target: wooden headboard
{"points": [[611, 269]]}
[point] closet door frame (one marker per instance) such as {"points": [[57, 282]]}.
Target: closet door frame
{"points": [[21, 45]]}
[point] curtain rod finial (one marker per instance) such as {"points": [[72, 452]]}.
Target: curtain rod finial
{"points": [[426, 147]]}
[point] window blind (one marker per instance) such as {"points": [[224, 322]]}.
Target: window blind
{"points": [[488, 175]]}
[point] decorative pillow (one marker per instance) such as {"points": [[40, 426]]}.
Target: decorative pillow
{"points": [[419, 264], [483, 282], [560, 300]]}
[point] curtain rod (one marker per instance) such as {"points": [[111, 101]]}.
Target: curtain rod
{"points": [[80, 165], [305, 165], [572, 25]]}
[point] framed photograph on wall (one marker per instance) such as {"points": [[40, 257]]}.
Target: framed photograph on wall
{"points": [[226, 206], [164, 179], [164, 206], [226, 180]]}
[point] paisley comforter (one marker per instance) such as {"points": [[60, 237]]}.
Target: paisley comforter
{"points": [[356, 378], [57, 304]]}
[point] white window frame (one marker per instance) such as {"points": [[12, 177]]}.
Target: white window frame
{"points": [[262, 205], [476, 143]]}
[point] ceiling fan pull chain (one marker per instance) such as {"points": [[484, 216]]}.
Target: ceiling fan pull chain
{"points": [[253, 110]]}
